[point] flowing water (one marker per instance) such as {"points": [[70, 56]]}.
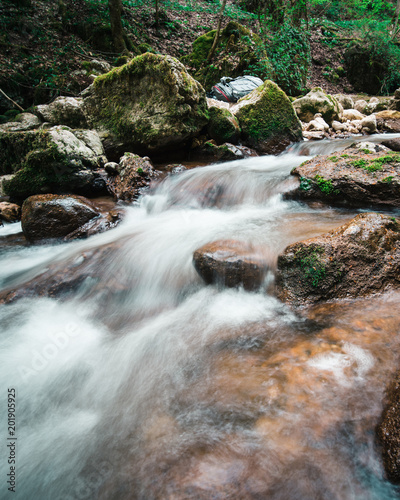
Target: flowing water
{"points": [[147, 384]]}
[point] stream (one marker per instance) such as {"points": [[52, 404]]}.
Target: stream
{"points": [[146, 384]]}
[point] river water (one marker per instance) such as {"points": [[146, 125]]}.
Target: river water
{"points": [[146, 384]]}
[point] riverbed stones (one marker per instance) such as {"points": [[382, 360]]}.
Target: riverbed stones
{"points": [[22, 122], [134, 175], [388, 432], [359, 258], [63, 111], [267, 119], [58, 159], [230, 263], [317, 101], [149, 105], [53, 216], [357, 177]]}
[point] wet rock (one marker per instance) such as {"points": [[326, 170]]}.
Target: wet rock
{"points": [[211, 152], [267, 119], [359, 258], [58, 159], [53, 216], [129, 118], [97, 225], [223, 126], [388, 121], [175, 169], [63, 111], [393, 144], [356, 177], [10, 212], [134, 176], [369, 124], [230, 263], [317, 101], [388, 432], [22, 122]]}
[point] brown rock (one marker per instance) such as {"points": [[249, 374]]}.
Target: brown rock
{"points": [[388, 432], [359, 258], [10, 212], [393, 144], [134, 176], [55, 216], [388, 121], [352, 177], [230, 263]]}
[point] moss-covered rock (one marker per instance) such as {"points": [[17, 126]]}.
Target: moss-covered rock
{"points": [[63, 111], [53, 160], [267, 119], [149, 105], [359, 258], [223, 126], [317, 101], [239, 51]]}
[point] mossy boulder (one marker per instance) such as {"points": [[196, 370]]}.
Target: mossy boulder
{"points": [[267, 119], [239, 51], [149, 105], [63, 111], [223, 126], [359, 258], [357, 176], [53, 160], [317, 101]]}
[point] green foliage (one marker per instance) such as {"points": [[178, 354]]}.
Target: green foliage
{"points": [[326, 186], [376, 164], [305, 184], [314, 269], [289, 52]]}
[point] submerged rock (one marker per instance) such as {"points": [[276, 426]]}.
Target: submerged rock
{"points": [[225, 152], [267, 119], [52, 216], [353, 177], [230, 263], [317, 101], [133, 177], [151, 104], [359, 258], [55, 160]]}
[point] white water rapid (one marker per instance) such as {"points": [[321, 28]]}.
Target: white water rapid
{"points": [[146, 384]]}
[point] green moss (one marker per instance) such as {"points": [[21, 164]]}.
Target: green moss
{"points": [[326, 186], [388, 180], [335, 159], [310, 262], [376, 164], [271, 116], [305, 184], [223, 126]]}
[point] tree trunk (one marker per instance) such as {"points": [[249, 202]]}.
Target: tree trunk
{"points": [[396, 19], [115, 8], [214, 45]]}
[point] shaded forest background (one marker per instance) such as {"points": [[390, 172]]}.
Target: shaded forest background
{"points": [[56, 48]]}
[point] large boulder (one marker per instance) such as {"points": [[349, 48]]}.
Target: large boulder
{"points": [[356, 176], [131, 177], [54, 216], [238, 52], [267, 119], [388, 431], [63, 111], [359, 258], [230, 263], [149, 105], [317, 101], [53, 160]]}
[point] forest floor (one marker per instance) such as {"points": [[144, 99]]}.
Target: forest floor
{"points": [[46, 50]]}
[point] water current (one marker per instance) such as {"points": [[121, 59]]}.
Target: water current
{"points": [[146, 384]]}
